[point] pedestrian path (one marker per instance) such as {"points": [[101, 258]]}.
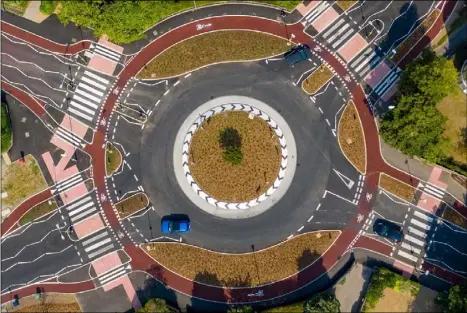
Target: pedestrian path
{"points": [[113, 274], [68, 183], [432, 190], [106, 52], [365, 62], [97, 244], [72, 138], [316, 9], [338, 33], [88, 96], [386, 83]]}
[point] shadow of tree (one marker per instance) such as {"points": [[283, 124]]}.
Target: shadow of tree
{"points": [[201, 291], [239, 281], [307, 258]]}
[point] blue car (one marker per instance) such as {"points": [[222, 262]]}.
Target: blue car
{"points": [[296, 55], [388, 229], [169, 226]]}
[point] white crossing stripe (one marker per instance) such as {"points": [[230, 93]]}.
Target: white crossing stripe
{"points": [[420, 224], [82, 108], [113, 277], [87, 95], [338, 33], [75, 204], [386, 83], [434, 190], [333, 28], [423, 216], [417, 232], [108, 53], [81, 208], [361, 57], [96, 77], [347, 34], [86, 213], [88, 241], [100, 251], [407, 256], [97, 245], [86, 117], [89, 88], [313, 14], [94, 83], [65, 135], [414, 240], [67, 180], [410, 248], [70, 183], [85, 101]]}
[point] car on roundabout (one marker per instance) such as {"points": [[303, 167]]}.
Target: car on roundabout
{"points": [[173, 226], [388, 230], [296, 55]]}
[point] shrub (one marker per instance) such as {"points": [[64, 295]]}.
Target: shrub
{"points": [[230, 138], [155, 305], [233, 155], [323, 303], [48, 6], [5, 131]]}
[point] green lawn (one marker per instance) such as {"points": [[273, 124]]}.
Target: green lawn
{"points": [[5, 131], [39, 210]]}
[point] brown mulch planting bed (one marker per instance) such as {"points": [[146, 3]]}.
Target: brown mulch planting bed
{"points": [[350, 136], [222, 46], [113, 159], [396, 187], [37, 211], [317, 79], [455, 218], [51, 307], [235, 183], [345, 4], [242, 270], [132, 204], [412, 39]]}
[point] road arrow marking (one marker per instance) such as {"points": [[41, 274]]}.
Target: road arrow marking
{"points": [[347, 181]]}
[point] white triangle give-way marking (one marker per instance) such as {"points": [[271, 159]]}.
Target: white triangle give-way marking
{"points": [[347, 181]]}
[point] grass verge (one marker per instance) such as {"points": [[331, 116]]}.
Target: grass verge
{"points": [[454, 217], [132, 204], [350, 136], [345, 4], [396, 187], [37, 211], [241, 270], [454, 108], [222, 46], [235, 182], [7, 136], [113, 159], [15, 6], [288, 5], [22, 180], [455, 25], [316, 80], [384, 279], [413, 38]]}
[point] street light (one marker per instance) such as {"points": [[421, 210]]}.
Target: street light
{"points": [[363, 17]]}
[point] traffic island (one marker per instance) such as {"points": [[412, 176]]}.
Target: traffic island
{"points": [[113, 159], [351, 139], [7, 136], [38, 211], [316, 80], [211, 48], [454, 217], [234, 156], [396, 187], [243, 270], [132, 204], [346, 4]]}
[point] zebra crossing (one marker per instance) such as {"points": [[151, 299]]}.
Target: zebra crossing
{"points": [[366, 62], [70, 137], [88, 97], [68, 183], [113, 274], [386, 83], [339, 33], [106, 52], [82, 208], [432, 190], [98, 244], [417, 227], [314, 13]]}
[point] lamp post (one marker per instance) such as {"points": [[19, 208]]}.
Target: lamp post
{"points": [[363, 17]]}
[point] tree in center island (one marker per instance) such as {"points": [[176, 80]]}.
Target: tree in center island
{"points": [[231, 141], [415, 126]]}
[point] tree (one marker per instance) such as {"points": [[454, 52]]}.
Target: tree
{"points": [[241, 309], [455, 301], [323, 303], [155, 305], [230, 138], [432, 77], [415, 128]]}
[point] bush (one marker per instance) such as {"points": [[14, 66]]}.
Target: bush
{"points": [[454, 301], [230, 138], [233, 155], [323, 303], [155, 305], [6, 131], [48, 6]]}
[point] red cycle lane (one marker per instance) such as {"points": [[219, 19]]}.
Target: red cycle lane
{"points": [[34, 104]]}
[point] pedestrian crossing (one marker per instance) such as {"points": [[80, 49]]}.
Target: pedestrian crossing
{"points": [[313, 14], [366, 62], [98, 244], [82, 208], [386, 83], [338, 33], [106, 52], [417, 232], [70, 137], [88, 97], [68, 183], [113, 274], [432, 190]]}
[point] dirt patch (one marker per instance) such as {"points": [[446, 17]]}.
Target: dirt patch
{"points": [[250, 269], [454, 217], [113, 159], [316, 80], [461, 180], [37, 211], [222, 46], [396, 187], [350, 136], [394, 301], [132, 204], [22, 180], [345, 4], [49, 302], [413, 38], [235, 182]]}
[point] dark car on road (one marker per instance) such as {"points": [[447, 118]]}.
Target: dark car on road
{"points": [[296, 55], [170, 226], [388, 229]]}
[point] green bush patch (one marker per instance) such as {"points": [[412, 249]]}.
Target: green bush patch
{"points": [[15, 6], [113, 159], [6, 131], [48, 6]]}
